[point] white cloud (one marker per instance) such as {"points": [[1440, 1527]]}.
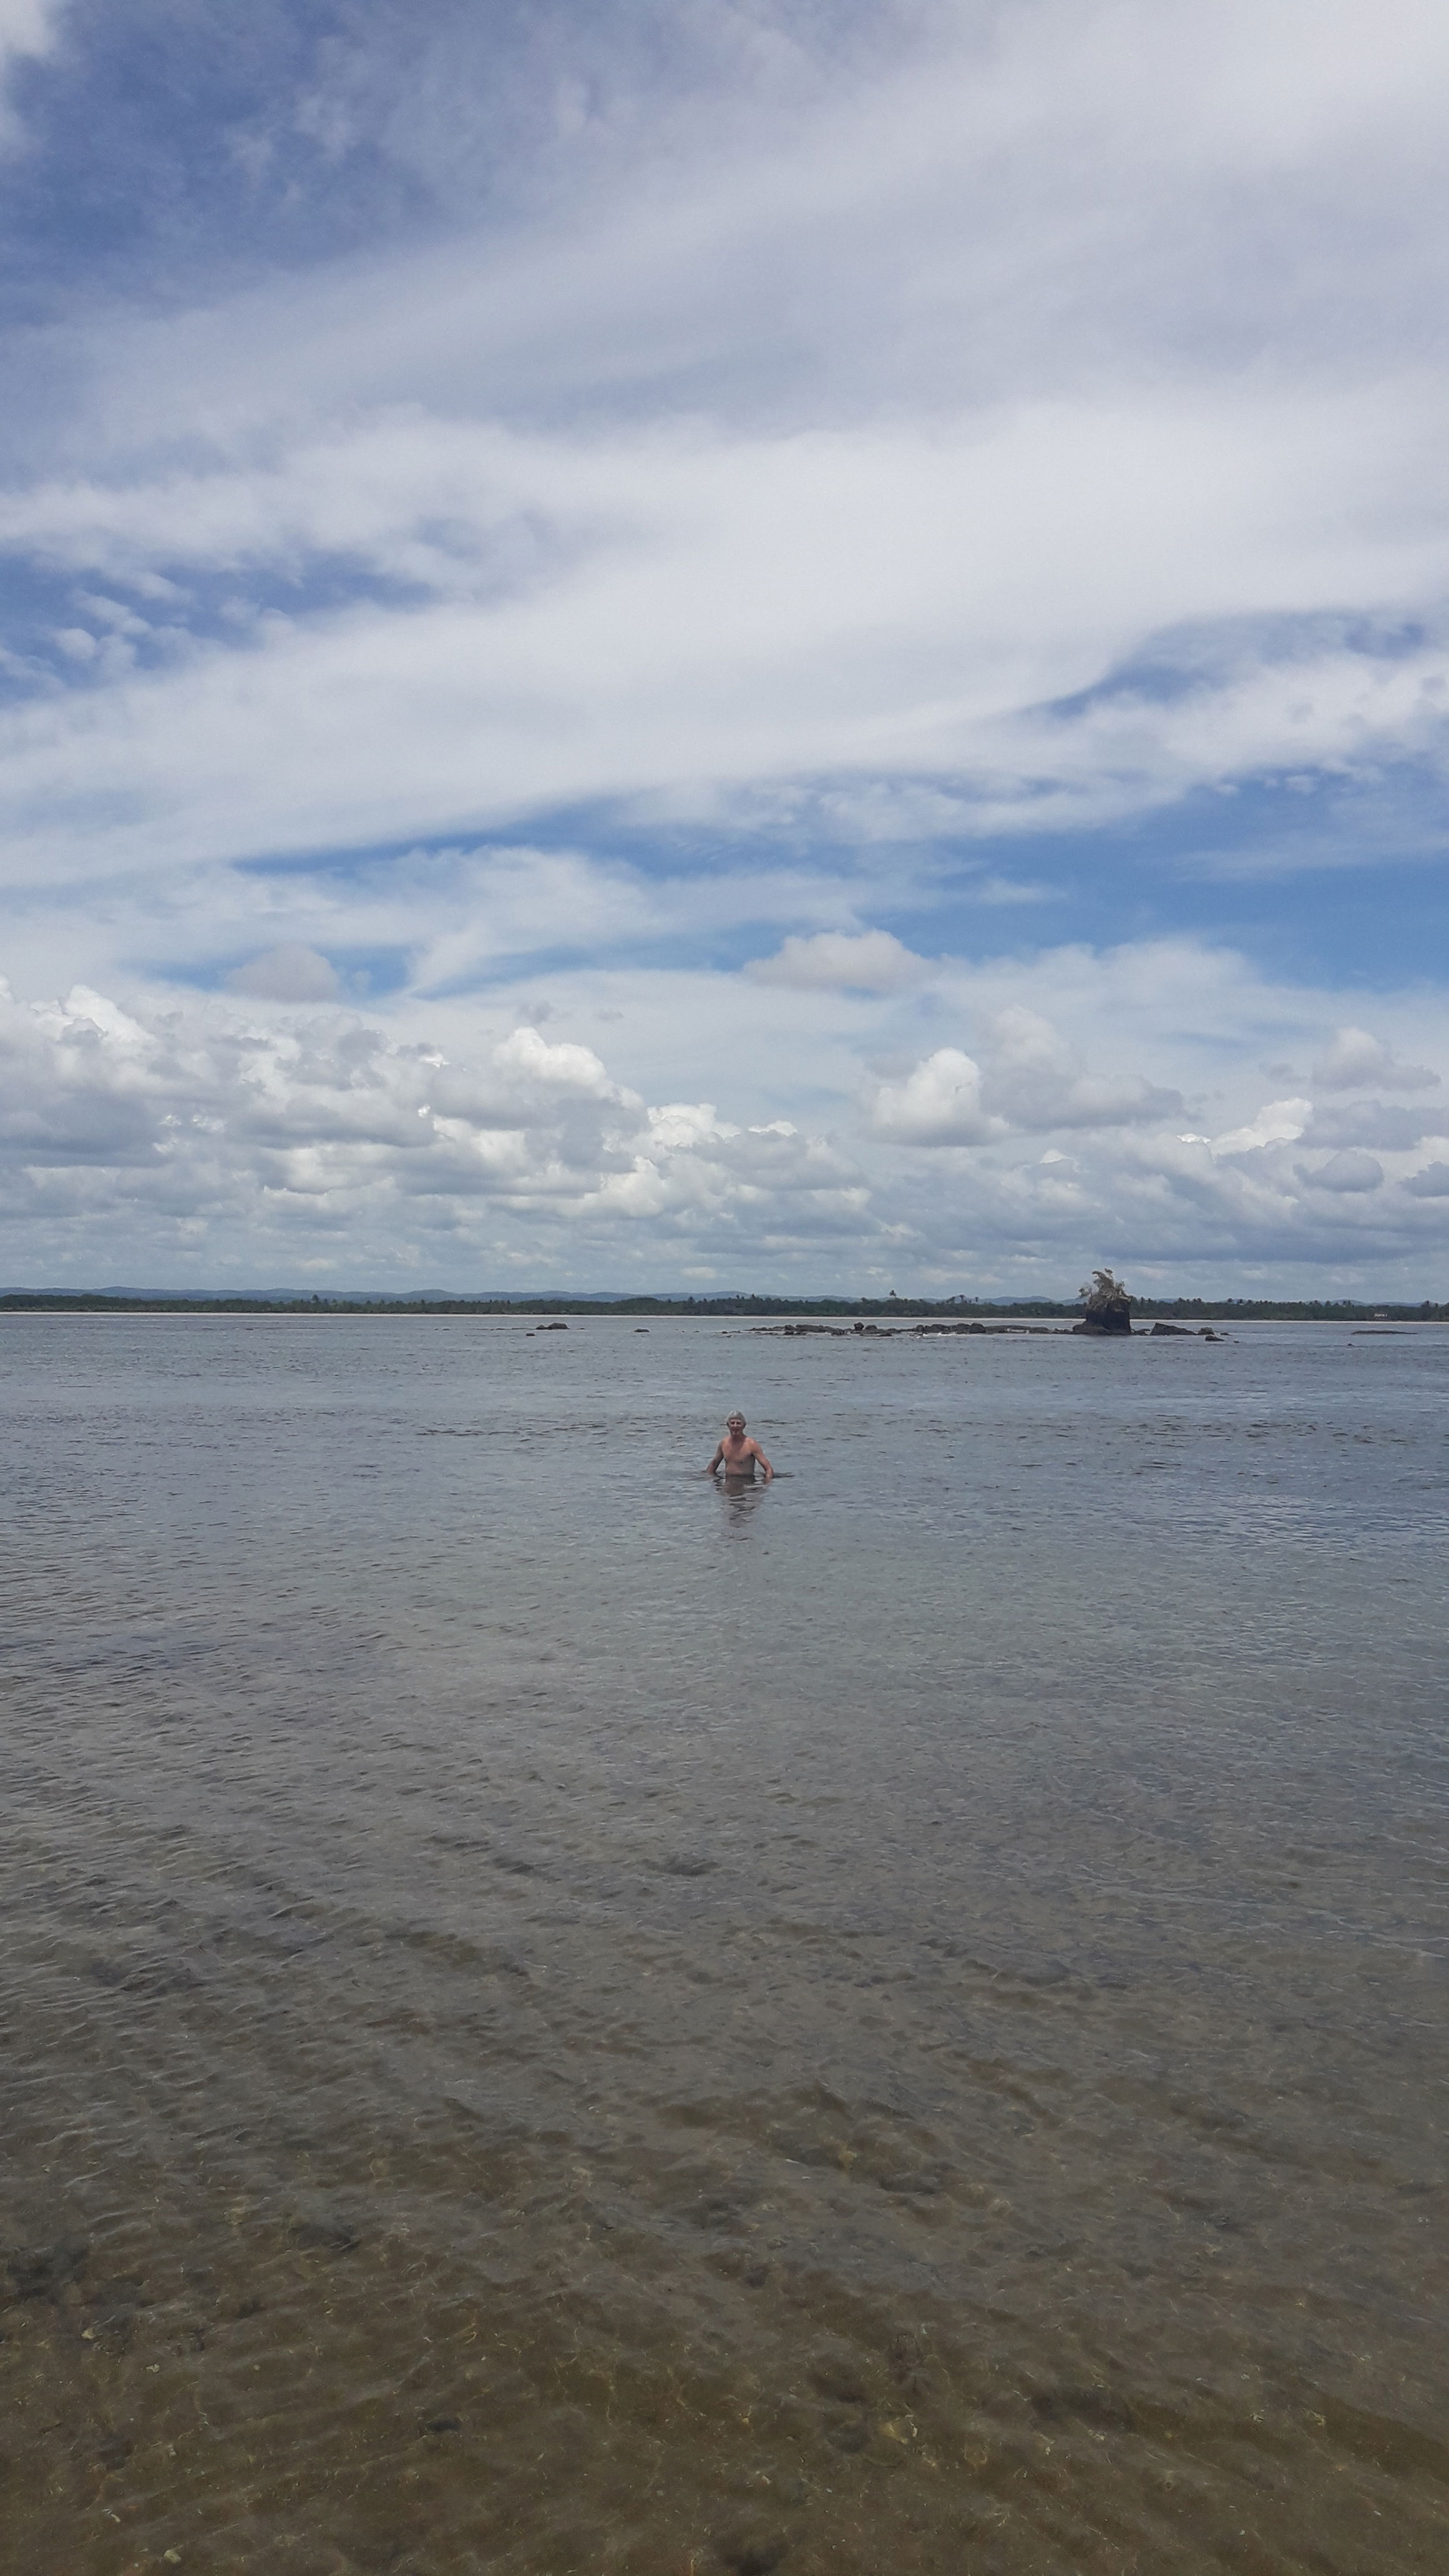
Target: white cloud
{"points": [[1034, 1079], [861, 442], [1029, 1081], [867, 961], [165, 1136], [1279, 1122], [564, 1066], [555, 648], [939, 1103], [27, 28], [290, 972], [200, 1130], [922, 412], [1357, 1061]]}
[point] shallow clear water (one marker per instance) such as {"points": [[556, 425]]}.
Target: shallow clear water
{"points": [[557, 2019]]}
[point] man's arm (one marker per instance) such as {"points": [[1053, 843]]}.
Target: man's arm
{"points": [[757, 1451], [715, 1460]]}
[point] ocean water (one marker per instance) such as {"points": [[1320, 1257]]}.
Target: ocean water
{"points": [[558, 2019]]}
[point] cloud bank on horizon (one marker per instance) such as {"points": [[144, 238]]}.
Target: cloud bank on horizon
{"points": [[751, 644]]}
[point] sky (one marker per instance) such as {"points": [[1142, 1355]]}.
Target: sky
{"points": [[725, 644]]}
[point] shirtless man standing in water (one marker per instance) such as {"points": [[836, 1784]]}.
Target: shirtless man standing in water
{"points": [[737, 1454]]}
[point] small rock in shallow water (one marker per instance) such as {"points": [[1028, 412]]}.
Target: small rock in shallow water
{"points": [[753, 2553], [41, 2272]]}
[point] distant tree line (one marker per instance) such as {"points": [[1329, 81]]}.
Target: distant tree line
{"points": [[1103, 1294]]}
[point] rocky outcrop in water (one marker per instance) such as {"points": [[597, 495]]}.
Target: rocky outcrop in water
{"points": [[1108, 1308]]}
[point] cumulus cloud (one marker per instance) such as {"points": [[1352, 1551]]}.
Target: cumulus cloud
{"points": [[867, 961], [1035, 1080], [1028, 1082], [1278, 1122], [1432, 1182], [221, 1135], [275, 1134], [938, 1103], [290, 972], [1356, 1061]]}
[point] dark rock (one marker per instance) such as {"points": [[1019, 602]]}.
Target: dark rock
{"points": [[1108, 1308], [1173, 1332], [753, 2553], [443, 2424]]}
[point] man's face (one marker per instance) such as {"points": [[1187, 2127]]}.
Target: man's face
{"points": [[736, 1426]]}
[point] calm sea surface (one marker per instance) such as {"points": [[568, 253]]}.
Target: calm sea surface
{"points": [[557, 2020]]}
